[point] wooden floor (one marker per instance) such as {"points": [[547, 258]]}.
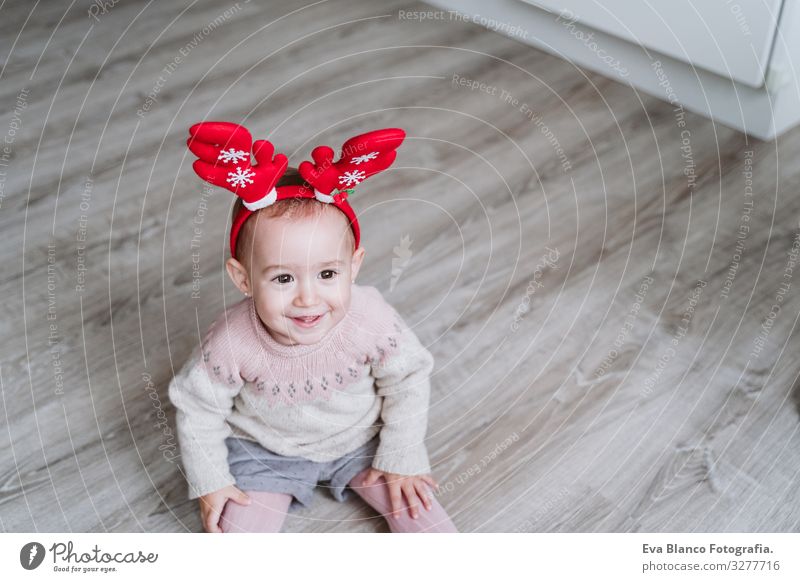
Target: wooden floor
{"points": [[597, 287]]}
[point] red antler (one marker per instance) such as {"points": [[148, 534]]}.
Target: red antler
{"points": [[223, 150], [362, 156]]}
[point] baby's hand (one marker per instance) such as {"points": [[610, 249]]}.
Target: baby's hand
{"points": [[212, 504], [412, 486]]}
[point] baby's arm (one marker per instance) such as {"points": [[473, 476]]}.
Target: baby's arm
{"points": [[403, 380], [203, 402]]}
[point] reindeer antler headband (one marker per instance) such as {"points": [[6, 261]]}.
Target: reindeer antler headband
{"points": [[224, 149]]}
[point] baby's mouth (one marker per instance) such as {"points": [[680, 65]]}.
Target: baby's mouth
{"points": [[310, 321]]}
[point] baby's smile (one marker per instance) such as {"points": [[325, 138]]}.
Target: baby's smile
{"points": [[308, 321]]}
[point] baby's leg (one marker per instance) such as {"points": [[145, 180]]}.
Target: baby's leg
{"points": [[265, 514], [434, 520]]}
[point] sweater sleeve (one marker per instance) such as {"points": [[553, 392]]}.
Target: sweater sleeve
{"points": [[402, 379], [203, 399]]}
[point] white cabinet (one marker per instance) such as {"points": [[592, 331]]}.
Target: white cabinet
{"points": [[735, 61], [730, 38]]}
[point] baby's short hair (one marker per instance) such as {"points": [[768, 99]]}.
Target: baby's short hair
{"points": [[288, 208]]}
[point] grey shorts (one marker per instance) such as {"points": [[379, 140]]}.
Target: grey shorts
{"points": [[258, 469]]}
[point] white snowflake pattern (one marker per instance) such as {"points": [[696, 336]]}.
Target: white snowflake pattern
{"points": [[232, 155], [241, 177], [358, 160], [352, 178]]}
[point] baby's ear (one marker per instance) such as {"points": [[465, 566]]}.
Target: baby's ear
{"points": [[238, 275], [355, 265]]}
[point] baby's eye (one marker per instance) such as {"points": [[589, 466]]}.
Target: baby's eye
{"points": [[280, 279], [332, 272]]}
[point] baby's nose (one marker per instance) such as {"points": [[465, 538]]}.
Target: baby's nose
{"points": [[306, 295]]}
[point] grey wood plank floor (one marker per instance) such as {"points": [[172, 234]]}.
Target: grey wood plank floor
{"points": [[595, 279]]}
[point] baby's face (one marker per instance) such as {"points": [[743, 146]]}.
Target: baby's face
{"points": [[301, 275]]}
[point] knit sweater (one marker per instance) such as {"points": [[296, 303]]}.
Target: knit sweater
{"points": [[369, 375]]}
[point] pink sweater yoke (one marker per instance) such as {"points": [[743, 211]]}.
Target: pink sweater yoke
{"points": [[238, 347]]}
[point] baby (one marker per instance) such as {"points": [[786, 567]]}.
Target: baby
{"points": [[310, 378]]}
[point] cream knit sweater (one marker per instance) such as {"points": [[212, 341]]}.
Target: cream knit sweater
{"points": [[369, 374]]}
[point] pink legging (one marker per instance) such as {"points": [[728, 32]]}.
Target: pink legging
{"points": [[267, 511]]}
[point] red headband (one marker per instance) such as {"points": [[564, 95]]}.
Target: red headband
{"points": [[224, 151]]}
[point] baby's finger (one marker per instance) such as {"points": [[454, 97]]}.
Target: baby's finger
{"points": [[212, 521], [396, 497], [422, 491], [241, 498], [413, 500], [430, 481], [370, 478]]}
